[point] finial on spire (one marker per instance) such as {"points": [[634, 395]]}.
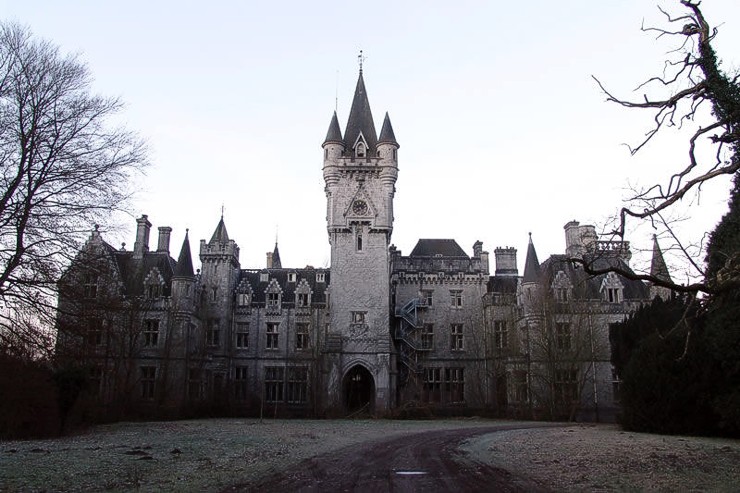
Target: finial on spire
{"points": [[222, 210], [360, 59]]}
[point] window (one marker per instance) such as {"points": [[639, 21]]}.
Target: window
{"points": [[242, 299], [240, 383], [455, 384], [566, 386], [214, 294], [272, 335], [500, 334], [616, 384], [612, 295], [358, 317], [291, 276], [562, 336], [432, 389], [213, 335], [456, 337], [302, 300], [426, 297], [196, 385], [360, 149], [297, 388], [359, 242], [521, 386], [94, 336], [90, 285], [456, 298], [301, 336], [153, 291], [264, 276], [320, 277], [561, 295], [151, 333], [274, 377], [147, 377], [95, 380], [242, 335], [427, 337], [273, 300]]}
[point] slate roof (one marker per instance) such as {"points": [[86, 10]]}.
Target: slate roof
{"points": [[276, 264], [335, 133], [220, 235], [252, 277], [437, 247], [658, 267], [386, 132], [360, 120], [184, 266], [587, 287], [531, 265], [134, 270]]}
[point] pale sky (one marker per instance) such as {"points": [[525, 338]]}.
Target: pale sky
{"points": [[501, 127]]}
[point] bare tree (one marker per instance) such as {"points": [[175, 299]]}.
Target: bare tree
{"points": [[692, 91], [63, 168]]}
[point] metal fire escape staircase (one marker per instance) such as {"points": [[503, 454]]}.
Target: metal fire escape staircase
{"points": [[409, 346]]}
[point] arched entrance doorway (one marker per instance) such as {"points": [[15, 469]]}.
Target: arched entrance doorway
{"points": [[359, 389]]}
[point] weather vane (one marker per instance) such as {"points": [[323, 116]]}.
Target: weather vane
{"points": [[361, 58]]}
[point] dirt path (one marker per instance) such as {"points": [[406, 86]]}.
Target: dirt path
{"points": [[429, 461]]}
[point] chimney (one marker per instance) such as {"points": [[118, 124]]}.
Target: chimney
{"points": [[506, 261], [579, 240], [141, 245], [163, 245], [477, 248], [269, 260]]}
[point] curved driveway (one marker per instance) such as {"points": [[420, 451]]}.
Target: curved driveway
{"points": [[424, 462]]}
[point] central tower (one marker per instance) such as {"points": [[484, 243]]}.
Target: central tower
{"points": [[360, 172]]}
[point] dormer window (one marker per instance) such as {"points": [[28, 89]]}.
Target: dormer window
{"points": [[561, 287], [291, 277], [612, 288], [360, 149]]}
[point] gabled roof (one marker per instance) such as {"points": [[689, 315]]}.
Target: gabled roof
{"points": [[335, 133], [360, 119], [386, 133], [658, 267], [434, 248], [318, 289], [220, 235], [135, 270], [184, 266], [531, 265]]}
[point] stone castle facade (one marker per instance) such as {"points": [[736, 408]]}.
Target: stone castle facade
{"points": [[378, 332]]}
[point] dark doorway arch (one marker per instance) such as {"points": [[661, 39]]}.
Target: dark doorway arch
{"points": [[359, 389]]}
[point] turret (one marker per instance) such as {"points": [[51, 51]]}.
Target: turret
{"points": [[659, 270], [183, 278]]}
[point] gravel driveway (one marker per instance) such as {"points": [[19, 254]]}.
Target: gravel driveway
{"points": [[209, 455]]}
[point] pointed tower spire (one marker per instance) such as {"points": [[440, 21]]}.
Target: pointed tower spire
{"points": [[658, 267], [360, 121], [531, 265], [276, 264], [184, 266], [334, 135], [386, 132], [220, 235]]}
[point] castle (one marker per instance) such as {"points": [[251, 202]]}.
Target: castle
{"points": [[379, 332]]}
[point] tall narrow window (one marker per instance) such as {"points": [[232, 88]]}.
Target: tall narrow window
{"points": [[90, 285], [297, 388], [213, 336], [274, 382], [242, 335], [432, 389], [151, 333], [427, 337], [272, 336], [456, 337], [240, 383], [359, 242], [500, 334], [301, 336], [94, 336], [456, 298], [562, 336], [147, 377], [455, 384]]}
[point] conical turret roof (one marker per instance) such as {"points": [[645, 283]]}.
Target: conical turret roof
{"points": [[184, 266], [658, 267], [386, 133], [335, 133], [276, 264], [220, 235], [531, 265], [360, 119]]}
